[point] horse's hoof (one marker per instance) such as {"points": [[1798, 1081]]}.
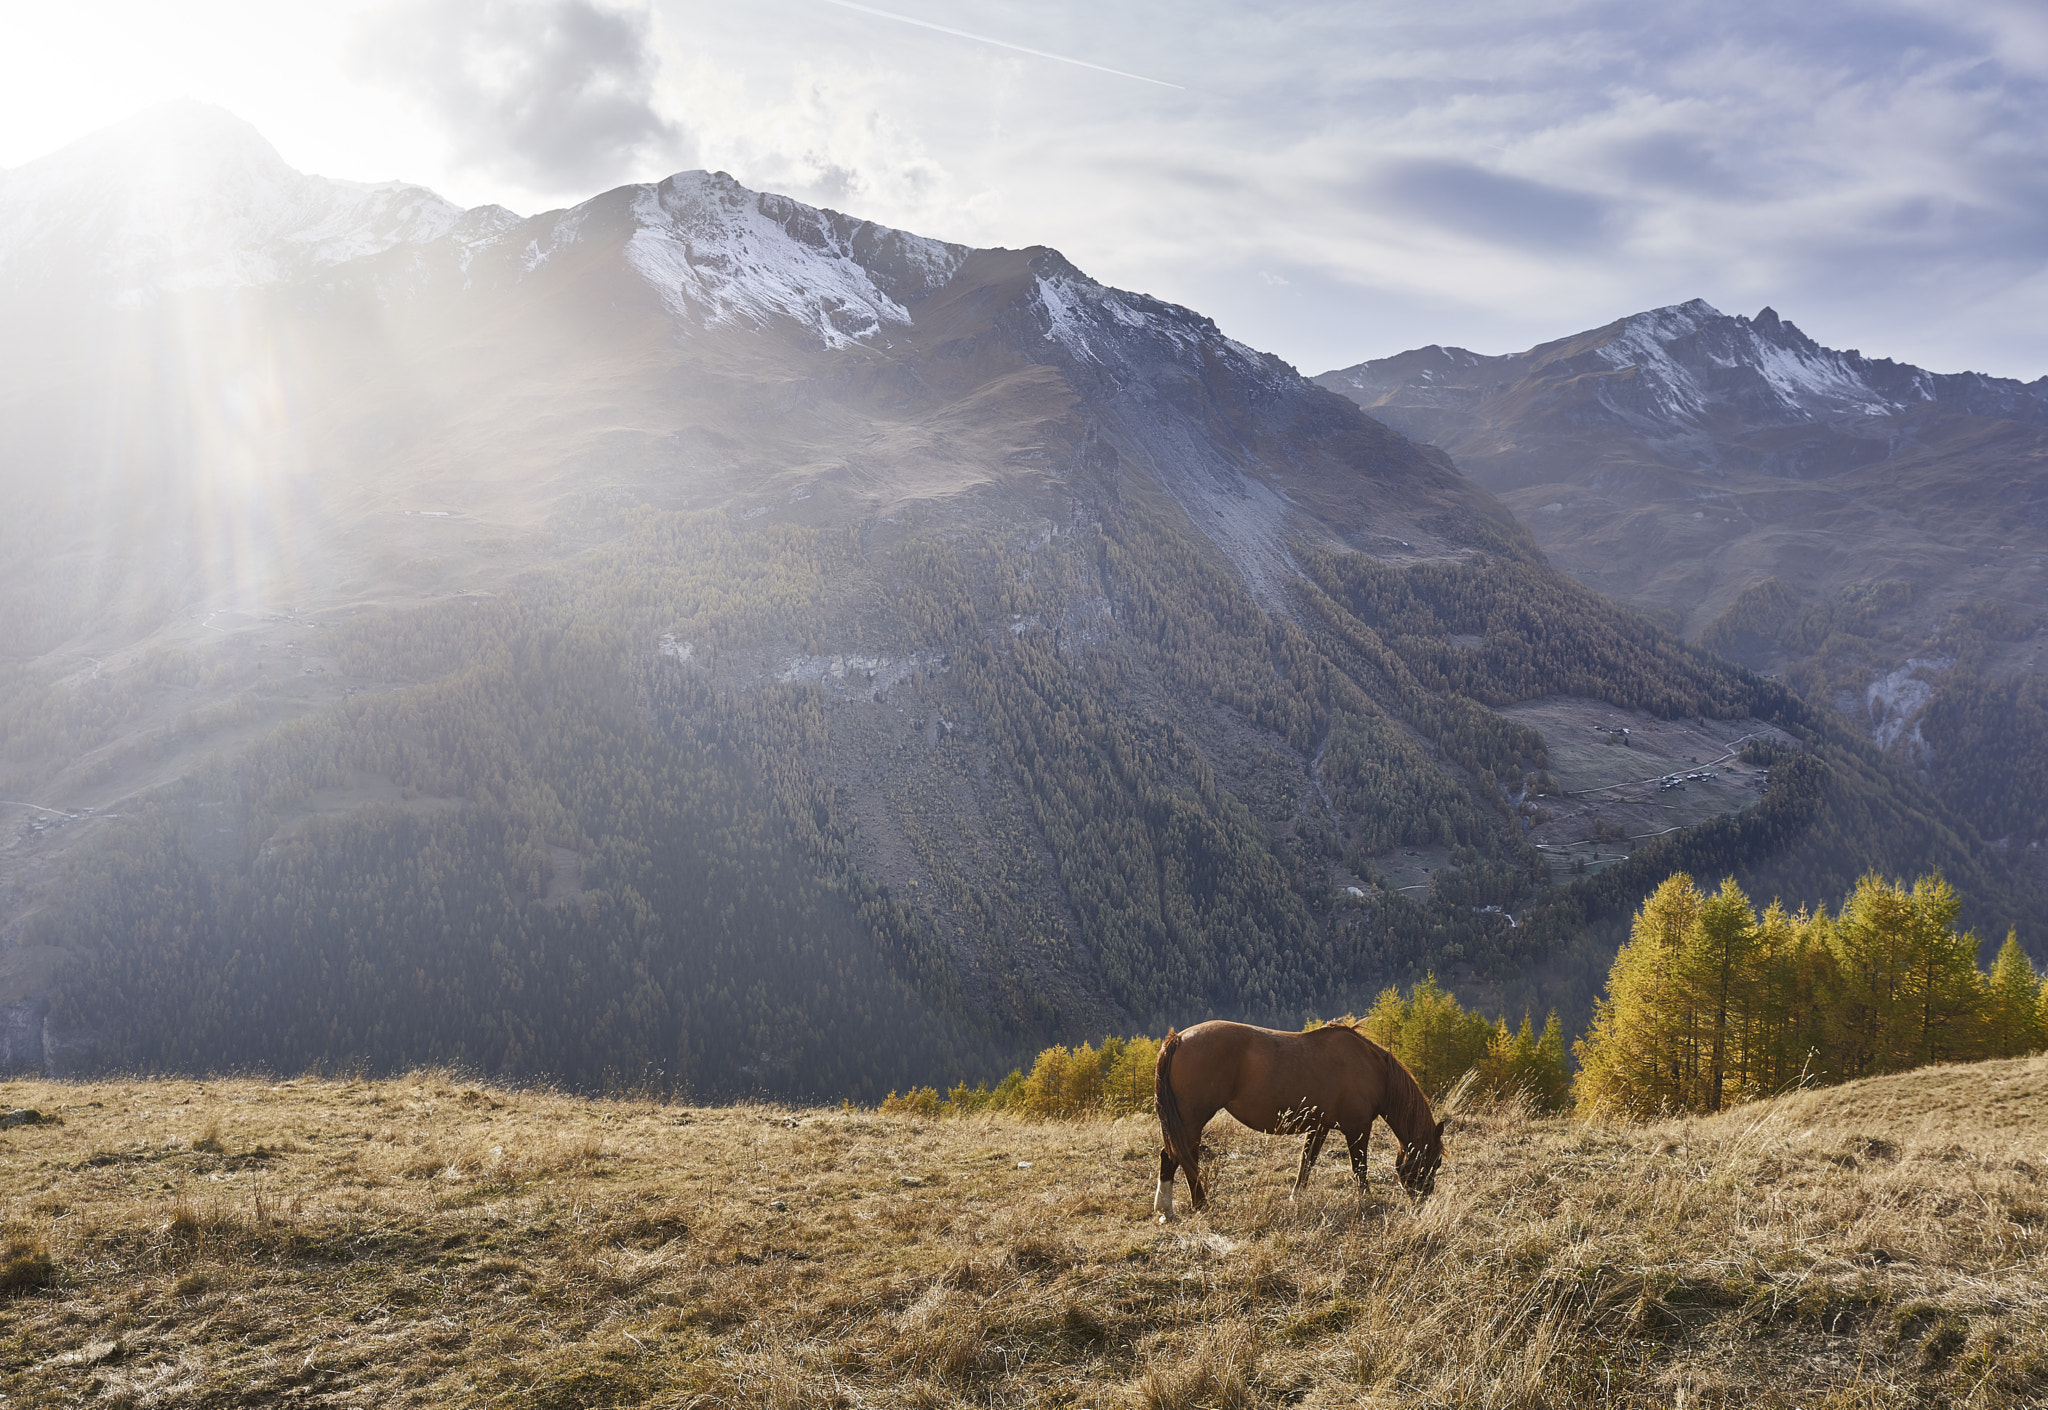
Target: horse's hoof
{"points": [[1163, 1219]]}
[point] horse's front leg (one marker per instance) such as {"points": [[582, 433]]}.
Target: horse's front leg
{"points": [[1356, 1145], [1311, 1147]]}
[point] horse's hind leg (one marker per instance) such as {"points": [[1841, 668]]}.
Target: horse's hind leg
{"points": [[1162, 1199], [1311, 1147], [1198, 1197], [1198, 1194]]}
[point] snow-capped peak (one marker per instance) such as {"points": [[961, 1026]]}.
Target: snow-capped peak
{"points": [[1683, 377], [721, 255], [1690, 359], [1671, 322]]}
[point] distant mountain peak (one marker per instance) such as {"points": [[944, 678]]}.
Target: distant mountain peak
{"points": [[186, 195], [1674, 317], [175, 140], [1691, 372]]}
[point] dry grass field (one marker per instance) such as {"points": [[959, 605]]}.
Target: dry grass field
{"points": [[429, 1241]]}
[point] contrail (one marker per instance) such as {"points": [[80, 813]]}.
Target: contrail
{"points": [[999, 43]]}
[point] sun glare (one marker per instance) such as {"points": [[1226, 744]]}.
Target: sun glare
{"points": [[195, 496], [70, 70]]}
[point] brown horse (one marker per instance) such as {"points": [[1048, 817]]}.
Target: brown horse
{"points": [[1287, 1084]]}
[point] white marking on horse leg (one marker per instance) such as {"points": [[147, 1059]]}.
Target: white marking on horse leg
{"points": [[1162, 1201]]}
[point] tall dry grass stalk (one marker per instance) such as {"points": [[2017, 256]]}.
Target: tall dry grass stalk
{"points": [[424, 1241]]}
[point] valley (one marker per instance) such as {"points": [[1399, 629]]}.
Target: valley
{"points": [[1612, 788]]}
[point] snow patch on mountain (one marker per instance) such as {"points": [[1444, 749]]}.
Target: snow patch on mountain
{"points": [[1801, 376], [1096, 324], [722, 255], [1691, 361], [1645, 338], [1091, 320]]}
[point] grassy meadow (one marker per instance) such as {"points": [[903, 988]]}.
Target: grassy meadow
{"points": [[431, 1241]]}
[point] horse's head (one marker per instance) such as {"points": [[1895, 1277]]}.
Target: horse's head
{"points": [[1418, 1161]]}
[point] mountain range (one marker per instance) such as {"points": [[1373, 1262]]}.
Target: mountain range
{"points": [[703, 640], [1875, 532]]}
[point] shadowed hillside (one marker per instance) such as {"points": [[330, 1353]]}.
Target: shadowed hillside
{"points": [[701, 640]]}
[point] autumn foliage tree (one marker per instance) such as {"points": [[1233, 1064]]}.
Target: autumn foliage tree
{"points": [[2016, 1004], [1439, 1041], [1709, 1003]]}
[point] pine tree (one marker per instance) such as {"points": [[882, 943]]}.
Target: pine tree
{"points": [[2013, 1002], [1870, 1016], [1782, 1035], [1636, 1058], [1943, 987], [1707, 1004], [1522, 1062], [1717, 986], [1430, 1032]]}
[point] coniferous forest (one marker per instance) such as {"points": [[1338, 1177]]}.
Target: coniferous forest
{"points": [[807, 812]]}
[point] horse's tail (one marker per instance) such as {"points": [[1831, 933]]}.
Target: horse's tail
{"points": [[1172, 1129]]}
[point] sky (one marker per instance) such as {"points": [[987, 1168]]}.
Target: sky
{"points": [[1330, 182]]}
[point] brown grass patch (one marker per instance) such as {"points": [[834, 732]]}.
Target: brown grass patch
{"points": [[429, 1242]]}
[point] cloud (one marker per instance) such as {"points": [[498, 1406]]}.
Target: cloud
{"points": [[1486, 205], [555, 95], [1677, 160], [825, 135], [1495, 172], [1874, 167]]}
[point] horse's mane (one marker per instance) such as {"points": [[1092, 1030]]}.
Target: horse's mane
{"points": [[1355, 1031], [1410, 1089], [1372, 1045]]}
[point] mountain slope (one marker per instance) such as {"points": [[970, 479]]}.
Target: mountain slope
{"points": [[1875, 531], [700, 639]]}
